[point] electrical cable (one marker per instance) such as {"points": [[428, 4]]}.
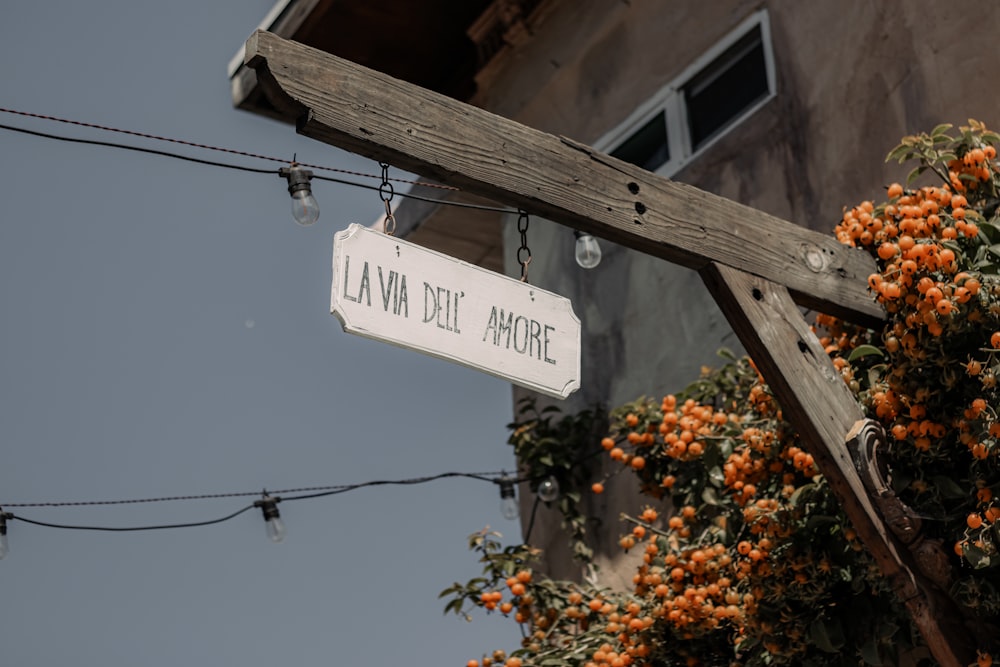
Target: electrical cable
{"points": [[193, 524], [139, 149], [256, 170], [386, 482], [309, 491], [144, 135], [531, 520], [305, 493]]}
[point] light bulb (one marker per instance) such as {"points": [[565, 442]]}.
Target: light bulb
{"points": [[272, 518], [508, 499], [548, 490], [275, 529], [588, 252], [305, 209], [4, 546]]}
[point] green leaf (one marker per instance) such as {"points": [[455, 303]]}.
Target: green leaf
{"points": [[864, 351], [941, 129], [976, 556], [915, 172], [948, 487], [716, 476], [869, 652], [898, 153], [827, 635]]}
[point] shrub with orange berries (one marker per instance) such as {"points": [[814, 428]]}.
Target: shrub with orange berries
{"points": [[743, 556]]}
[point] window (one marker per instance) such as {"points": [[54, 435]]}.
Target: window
{"points": [[730, 84], [648, 146], [720, 89]]}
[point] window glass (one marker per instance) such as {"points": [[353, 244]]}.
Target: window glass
{"points": [[725, 88], [648, 147]]}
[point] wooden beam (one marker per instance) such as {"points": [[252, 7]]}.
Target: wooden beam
{"points": [[369, 113], [818, 404]]}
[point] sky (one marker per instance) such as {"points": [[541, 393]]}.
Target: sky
{"points": [[165, 331]]}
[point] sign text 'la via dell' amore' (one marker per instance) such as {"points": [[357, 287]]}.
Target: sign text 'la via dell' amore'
{"points": [[395, 291]]}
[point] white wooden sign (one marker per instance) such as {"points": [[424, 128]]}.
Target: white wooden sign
{"points": [[397, 292]]}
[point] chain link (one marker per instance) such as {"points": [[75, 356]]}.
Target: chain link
{"points": [[386, 193], [524, 252]]}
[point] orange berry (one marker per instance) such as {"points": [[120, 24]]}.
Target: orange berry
{"points": [[608, 443], [638, 463], [472, 663], [887, 251], [597, 487], [524, 576], [974, 521]]}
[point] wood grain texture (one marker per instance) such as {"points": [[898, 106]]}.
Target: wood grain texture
{"points": [[818, 404], [369, 113]]}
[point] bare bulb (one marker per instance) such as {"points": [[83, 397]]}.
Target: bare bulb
{"points": [[273, 524], [508, 500], [305, 209], [588, 251], [275, 529], [548, 490]]}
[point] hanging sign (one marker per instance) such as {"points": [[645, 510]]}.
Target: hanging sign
{"points": [[401, 293]]}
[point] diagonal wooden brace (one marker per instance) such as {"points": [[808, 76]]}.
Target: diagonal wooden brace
{"points": [[819, 405]]}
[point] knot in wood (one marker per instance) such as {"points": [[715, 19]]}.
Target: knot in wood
{"points": [[813, 257]]}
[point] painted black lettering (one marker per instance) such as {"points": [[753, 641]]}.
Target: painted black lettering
{"points": [[503, 327], [457, 330], [443, 306], [402, 302], [386, 288], [430, 315], [347, 272], [522, 348], [491, 324], [546, 338], [366, 288], [535, 346]]}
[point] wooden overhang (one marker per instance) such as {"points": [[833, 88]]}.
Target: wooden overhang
{"points": [[435, 44]]}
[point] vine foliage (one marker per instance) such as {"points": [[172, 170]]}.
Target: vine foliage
{"points": [[742, 555]]}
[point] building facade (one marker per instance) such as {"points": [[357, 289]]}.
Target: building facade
{"points": [[786, 106]]}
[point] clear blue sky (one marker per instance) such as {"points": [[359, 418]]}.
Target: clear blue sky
{"points": [[165, 330]]}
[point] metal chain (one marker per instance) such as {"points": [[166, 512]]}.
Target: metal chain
{"points": [[524, 252], [385, 193]]}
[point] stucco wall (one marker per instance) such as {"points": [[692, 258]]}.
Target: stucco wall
{"points": [[853, 76]]}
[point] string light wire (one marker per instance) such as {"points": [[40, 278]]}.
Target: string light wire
{"points": [[304, 493], [256, 170], [208, 147], [280, 495]]}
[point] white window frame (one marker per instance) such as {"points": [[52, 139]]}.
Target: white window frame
{"points": [[670, 98]]}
